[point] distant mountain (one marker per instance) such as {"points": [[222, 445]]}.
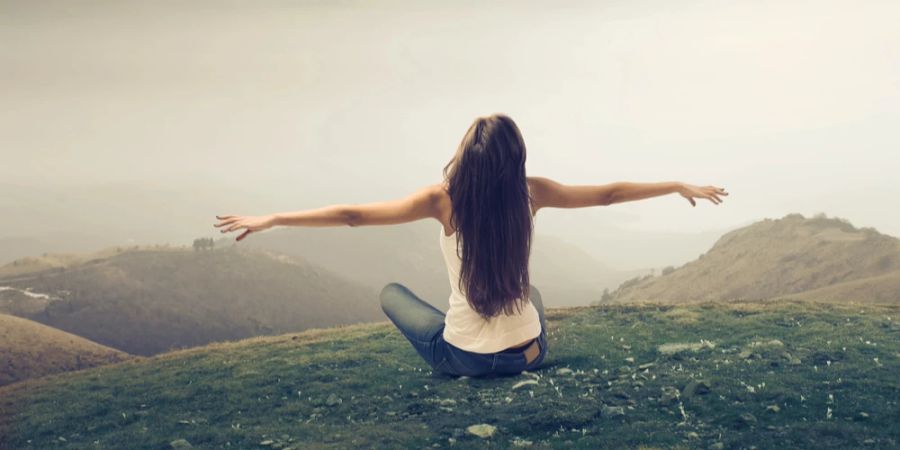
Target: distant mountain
{"points": [[41, 217], [410, 254], [370, 255], [782, 257], [29, 349], [568, 276], [28, 265], [12, 248], [149, 300], [54, 218]]}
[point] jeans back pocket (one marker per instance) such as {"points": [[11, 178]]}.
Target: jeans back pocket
{"points": [[442, 367]]}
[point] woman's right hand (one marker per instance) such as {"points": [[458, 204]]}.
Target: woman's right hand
{"points": [[712, 193], [251, 223]]}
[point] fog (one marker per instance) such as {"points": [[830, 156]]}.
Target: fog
{"points": [[139, 121]]}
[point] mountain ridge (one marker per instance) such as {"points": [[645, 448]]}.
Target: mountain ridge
{"points": [[771, 258], [144, 301]]}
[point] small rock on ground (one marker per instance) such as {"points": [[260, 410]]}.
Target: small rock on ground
{"points": [[482, 430], [179, 444]]}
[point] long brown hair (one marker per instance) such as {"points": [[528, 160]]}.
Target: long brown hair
{"points": [[491, 214]]}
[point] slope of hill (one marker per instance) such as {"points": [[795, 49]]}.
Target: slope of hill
{"points": [[146, 301], [774, 374], [29, 349], [878, 289], [776, 258]]}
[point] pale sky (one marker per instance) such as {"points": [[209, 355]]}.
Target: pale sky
{"points": [[792, 106]]}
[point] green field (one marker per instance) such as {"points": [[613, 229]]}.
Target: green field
{"points": [[748, 375]]}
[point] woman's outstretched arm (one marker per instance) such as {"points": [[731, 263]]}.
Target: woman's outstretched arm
{"points": [[624, 191], [418, 205], [553, 194]]}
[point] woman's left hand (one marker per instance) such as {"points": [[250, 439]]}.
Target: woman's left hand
{"points": [[251, 223], [711, 193]]}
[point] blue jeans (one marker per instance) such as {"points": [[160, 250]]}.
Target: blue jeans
{"points": [[423, 325]]}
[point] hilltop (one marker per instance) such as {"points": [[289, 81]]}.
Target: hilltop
{"points": [[775, 374], [780, 258], [53, 261], [149, 300]]}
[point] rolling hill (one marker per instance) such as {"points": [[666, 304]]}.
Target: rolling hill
{"points": [[712, 376], [782, 257], [29, 349], [149, 300]]}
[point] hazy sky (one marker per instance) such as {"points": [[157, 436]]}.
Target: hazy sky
{"points": [[792, 106]]}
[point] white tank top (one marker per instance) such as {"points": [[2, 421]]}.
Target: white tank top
{"points": [[466, 329]]}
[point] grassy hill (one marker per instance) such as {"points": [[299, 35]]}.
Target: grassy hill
{"points": [[29, 349], [149, 300], [782, 374], [878, 289], [781, 257]]}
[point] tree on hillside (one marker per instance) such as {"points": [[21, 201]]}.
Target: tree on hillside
{"points": [[607, 297], [204, 244]]}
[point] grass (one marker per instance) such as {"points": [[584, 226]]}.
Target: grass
{"points": [[833, 379]]}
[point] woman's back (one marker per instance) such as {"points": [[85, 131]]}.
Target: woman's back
{"points": [[466, 329]]}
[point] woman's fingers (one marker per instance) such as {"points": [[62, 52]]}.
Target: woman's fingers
{"points": [[233, 227], [225, 222], [232, 223], [714, 193], [710, 193]]}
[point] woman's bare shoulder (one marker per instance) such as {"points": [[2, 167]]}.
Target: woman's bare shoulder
{"points": [[537, 186]]}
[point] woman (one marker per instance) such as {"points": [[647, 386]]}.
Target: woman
{"points": [[486, 207]]}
